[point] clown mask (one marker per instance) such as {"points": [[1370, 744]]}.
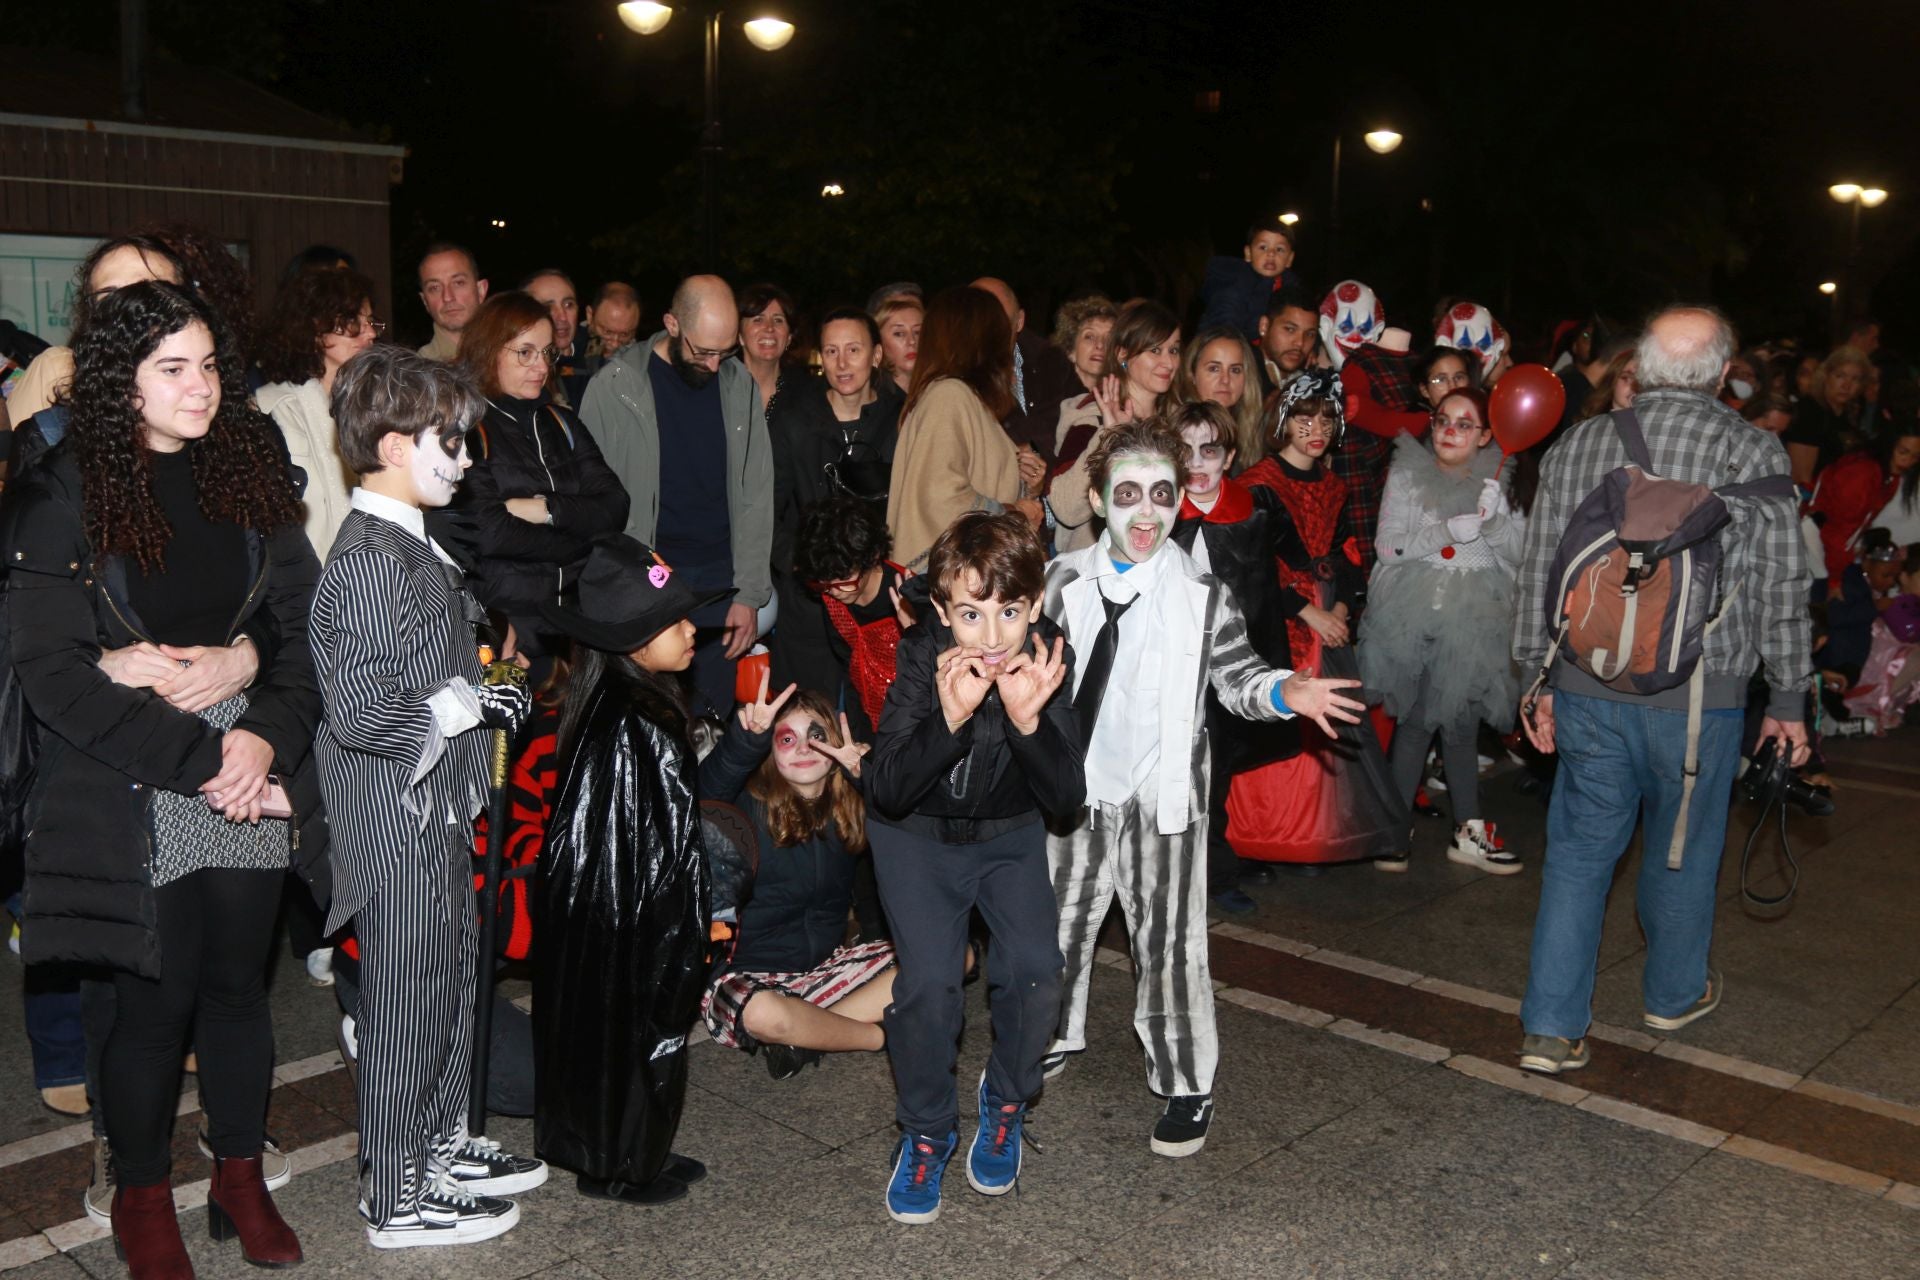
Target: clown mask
{"points": [[436, 471], [1139, 504], [1206, 465]]}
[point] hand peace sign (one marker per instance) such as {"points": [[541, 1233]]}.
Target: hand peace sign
{"points": [[758, 716]]}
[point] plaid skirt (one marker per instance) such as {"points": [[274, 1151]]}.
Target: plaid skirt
{"points": [[840, 975]]}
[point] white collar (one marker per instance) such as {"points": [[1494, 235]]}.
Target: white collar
{"points": [[412, 519]]}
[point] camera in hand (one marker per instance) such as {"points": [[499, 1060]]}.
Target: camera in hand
{"points": [[1768, 777]]}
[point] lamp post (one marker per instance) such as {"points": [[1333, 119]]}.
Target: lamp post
{"points": [[1380, 142], [1859, 197], [649, 17]]}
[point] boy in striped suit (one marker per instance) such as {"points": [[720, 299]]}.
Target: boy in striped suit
{"points": [[404, 770], [1156, 632]]}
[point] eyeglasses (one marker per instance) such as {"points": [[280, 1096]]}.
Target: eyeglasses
{"points": [[355, 327], [821, 588], [701, 353], [1459, 379], [529, 356], [1441, 422]]}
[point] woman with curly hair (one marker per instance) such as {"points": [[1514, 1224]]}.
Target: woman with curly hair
{"points": [[160, 583], [320, 320]]}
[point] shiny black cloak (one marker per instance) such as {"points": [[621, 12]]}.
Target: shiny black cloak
{"points": [[620, 940]]}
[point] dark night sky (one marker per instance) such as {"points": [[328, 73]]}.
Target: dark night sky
{"points": [[1645, 152]]}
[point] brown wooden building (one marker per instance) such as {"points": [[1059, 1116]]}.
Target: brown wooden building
{"points": [[209, 148]]}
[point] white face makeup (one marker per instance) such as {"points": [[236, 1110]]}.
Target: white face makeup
{"points": [[1207, 461], [436, 473], [1141, 500]]}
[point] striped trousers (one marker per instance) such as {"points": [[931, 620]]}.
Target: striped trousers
{"points": [[1161, 882], [418, 938]]}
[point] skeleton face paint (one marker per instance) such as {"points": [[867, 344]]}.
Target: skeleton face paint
{"points": [[436, 472], [1142, 498], [1207, 459]]}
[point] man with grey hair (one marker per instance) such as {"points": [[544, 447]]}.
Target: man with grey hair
{"points": [[1623, 755], [680, 421]]}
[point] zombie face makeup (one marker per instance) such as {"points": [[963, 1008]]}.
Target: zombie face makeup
{"points": [[1207, 462], [797, 738], [1139, 504], [436, 472]]}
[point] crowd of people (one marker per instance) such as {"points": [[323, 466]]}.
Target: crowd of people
{"points": [[841, 657]]}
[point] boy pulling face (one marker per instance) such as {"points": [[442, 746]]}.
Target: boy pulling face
{"points": [[990, 654]]}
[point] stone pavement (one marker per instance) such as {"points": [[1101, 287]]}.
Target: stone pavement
{"points": [[1369, 1121]]}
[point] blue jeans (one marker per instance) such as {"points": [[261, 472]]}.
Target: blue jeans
{"points": [[1621, 762], [52, 1000]]}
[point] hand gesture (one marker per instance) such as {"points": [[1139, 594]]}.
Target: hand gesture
{"points": [[204, 675], [962, 679], [1330, 627], [1319, 700], [138, 666], [1111, 395], [758, 716], [236, 791], [1464, 528], [849, 753], [1027, 682], [1033, 469]]}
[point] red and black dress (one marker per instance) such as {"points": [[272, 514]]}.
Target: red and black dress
{"points": [[1334, 801], [843, 651]]}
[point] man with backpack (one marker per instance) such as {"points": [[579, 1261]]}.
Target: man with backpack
{"points": [[1663, 563]]}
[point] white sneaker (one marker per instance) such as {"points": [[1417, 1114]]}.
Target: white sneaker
{"points": [[276, 1170], [349, 1039], [445, 1215], [320, 967], [98, 1201], [483, 1169], [1475, 845]]}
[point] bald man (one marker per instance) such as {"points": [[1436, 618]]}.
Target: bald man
{"points": [[1043, 376], [680, 420]]}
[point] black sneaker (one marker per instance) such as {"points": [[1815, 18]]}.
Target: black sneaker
{"points": [[445, 1215], [784, 1062], [481, 1168], [1182, 1130]]}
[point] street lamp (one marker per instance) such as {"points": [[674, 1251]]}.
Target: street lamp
{"points": [[1829, 288], [1379, 141], [1858, 197], [649, 17], [1289, 218]]}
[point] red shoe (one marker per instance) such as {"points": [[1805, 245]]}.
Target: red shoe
{"points": [[238, 1204], [146, 1233]]}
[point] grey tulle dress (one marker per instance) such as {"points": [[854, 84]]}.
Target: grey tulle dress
{"points": [[1436, 639]]}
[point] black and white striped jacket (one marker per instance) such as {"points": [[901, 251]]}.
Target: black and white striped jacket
{"points": [[392, 625]]}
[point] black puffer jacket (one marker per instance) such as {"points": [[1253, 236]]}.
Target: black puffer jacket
{"points": [[970, 786], [104, 746], [796, 912], [534, 449]]}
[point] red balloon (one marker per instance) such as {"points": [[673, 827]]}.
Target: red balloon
{"points": [[1525, 406]]}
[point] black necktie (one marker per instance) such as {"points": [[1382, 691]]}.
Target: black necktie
{"points": [[1086, 703]]}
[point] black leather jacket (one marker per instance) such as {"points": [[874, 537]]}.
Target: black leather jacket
{"points": [[970, 786]]}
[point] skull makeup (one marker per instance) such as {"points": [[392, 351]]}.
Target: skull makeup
{"points": [[1208, 457], [436, 471], [1142, 498]]}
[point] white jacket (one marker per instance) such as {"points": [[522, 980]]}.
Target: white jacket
{"points": [[306, 420]]}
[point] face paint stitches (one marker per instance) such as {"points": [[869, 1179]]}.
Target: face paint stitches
{"points": [[436, 472]]}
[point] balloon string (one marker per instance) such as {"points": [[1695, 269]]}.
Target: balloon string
{"points": [[1504, 455]]}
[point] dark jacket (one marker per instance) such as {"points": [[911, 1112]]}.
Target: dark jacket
{"points": [[1246, 533], [808, 439], [796, 911], [1232, 292], [1046, 377], [527, 449], [985, 780], [105, 746], [621, 915]]}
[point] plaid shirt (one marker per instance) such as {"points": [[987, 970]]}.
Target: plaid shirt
{"points": [[1694, 438], [1360, 458]]}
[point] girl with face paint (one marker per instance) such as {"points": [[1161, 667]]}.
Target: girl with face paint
{"points": [[1157, 637], [1436, 645], [1334, 801]]}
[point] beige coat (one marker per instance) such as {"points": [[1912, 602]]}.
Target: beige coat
{"points": [[952, 458], [1074, 523], [45, 376], [304, 417]]}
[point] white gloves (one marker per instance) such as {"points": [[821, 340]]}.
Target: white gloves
{"points": [[1493, 500], [1464, 528]]}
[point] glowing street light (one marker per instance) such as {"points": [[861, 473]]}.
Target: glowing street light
{"points": [[831, 190], [1872, 197], [1844, 191], [645, 17], [1289, 218], [1859, 197], [1382, 141], [768, 34], [1829, 288]]}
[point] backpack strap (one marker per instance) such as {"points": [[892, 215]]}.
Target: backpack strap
{"points": [[1626, 424], [1690, 768]]}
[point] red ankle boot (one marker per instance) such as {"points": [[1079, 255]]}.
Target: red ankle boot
{"points": [[146, 1233], [238, 1205]]}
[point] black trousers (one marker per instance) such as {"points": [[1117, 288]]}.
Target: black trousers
{"points": [[930, 890], [216, 929]]}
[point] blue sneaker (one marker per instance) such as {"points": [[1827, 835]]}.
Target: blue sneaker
{"points": [[993, 1163], [913, 1193]]}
